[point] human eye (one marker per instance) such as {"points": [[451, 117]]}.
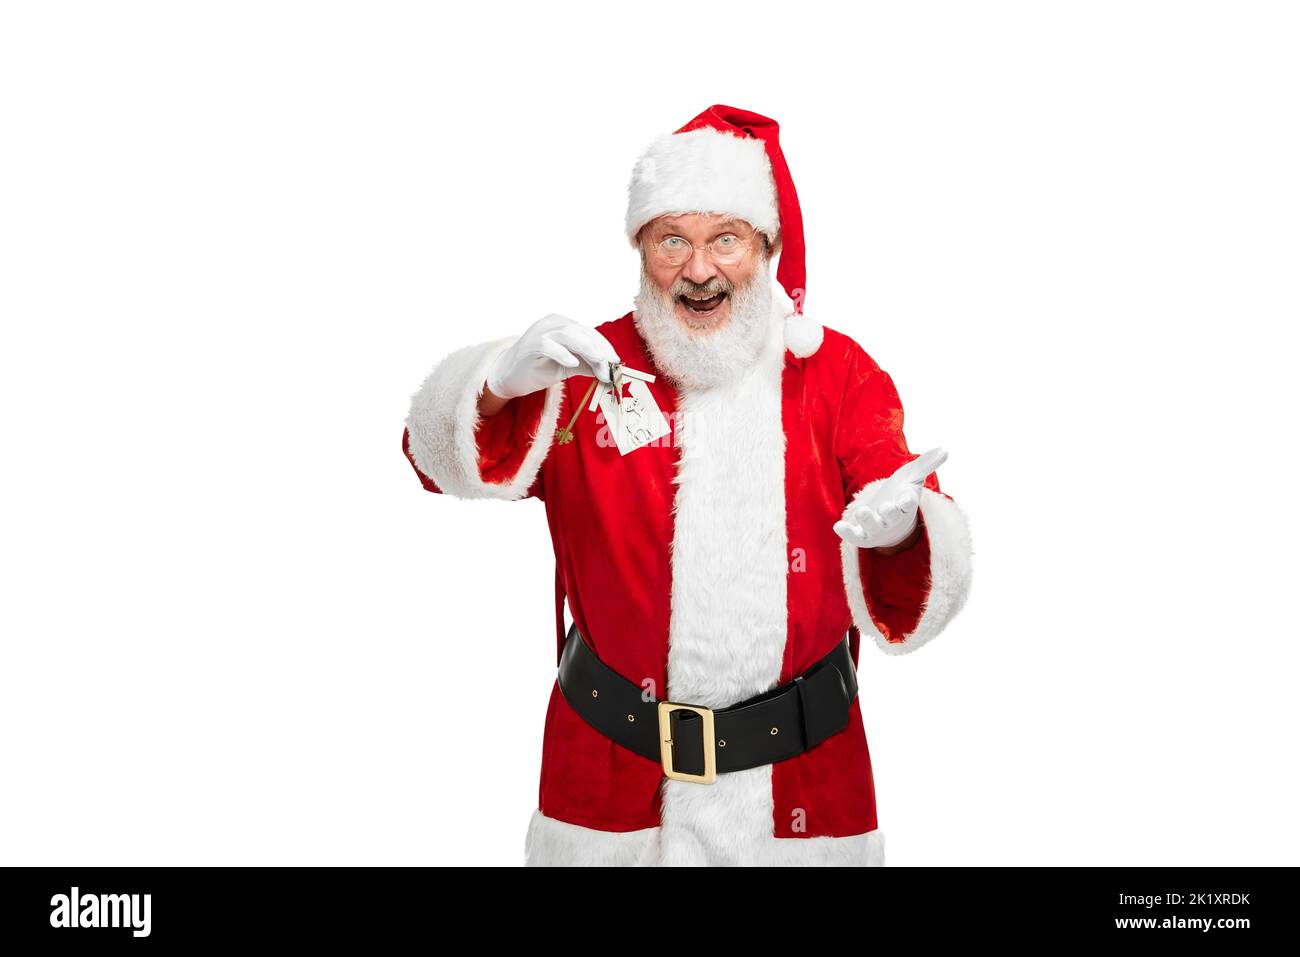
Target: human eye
{"points": [[673, 243], [728, 241]]}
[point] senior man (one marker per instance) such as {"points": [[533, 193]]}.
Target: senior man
{"points": [[732, 504]]}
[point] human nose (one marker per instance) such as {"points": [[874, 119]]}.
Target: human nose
{"points": [[700, 268]]}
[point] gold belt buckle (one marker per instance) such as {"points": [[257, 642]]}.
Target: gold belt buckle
{"points": [[710, 774]]}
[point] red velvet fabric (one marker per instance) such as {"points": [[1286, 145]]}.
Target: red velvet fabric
{"points": [[843, 427]]}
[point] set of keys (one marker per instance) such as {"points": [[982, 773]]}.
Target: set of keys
{"points": [[618, 374]]}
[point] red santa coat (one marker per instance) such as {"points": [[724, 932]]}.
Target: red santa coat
{"points": [[707, 563]]}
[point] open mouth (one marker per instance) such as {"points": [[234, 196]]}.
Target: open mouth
{"points": [[703, 307]]}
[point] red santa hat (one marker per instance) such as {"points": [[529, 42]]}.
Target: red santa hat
{"points": [[729, 161]]}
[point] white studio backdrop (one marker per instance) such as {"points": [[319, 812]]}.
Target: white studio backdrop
{"points": [[235, 238]]}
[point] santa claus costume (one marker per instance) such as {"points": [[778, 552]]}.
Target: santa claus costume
{"points": [[705, 566]]}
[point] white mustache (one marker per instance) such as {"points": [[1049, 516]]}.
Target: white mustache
{"points": [[716, 285]]}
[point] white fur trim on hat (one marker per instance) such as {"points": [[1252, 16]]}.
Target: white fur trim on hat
{"points": [[704, 171]]}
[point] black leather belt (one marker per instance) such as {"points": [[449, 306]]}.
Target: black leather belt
{"points": [[694, 743]]}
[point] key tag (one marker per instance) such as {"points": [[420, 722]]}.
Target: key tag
{"points": [[632, 416]]}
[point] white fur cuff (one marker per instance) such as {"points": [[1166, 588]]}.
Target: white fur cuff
{"points": [[444, 417], [950, 572]]}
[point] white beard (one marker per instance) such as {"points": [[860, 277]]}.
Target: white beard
{"points": [[711, 358]]}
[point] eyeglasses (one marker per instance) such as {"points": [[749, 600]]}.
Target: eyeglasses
{"points": [[725, 250]]}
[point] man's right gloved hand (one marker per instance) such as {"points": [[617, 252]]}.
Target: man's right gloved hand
{"points": [[549, 351]]}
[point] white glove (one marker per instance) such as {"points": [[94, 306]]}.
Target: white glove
{"points": [[551, 350], [887, 515]]}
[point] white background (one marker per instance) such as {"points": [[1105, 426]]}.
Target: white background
{"points": [[235, 237]]}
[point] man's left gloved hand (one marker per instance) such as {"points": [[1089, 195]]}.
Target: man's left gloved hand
{"points": [[887, 515]]}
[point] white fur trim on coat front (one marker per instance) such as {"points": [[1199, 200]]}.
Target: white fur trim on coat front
{"points": [[950, 572], [444, 416], [552, 843], [706, 171], [727, 633]]}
